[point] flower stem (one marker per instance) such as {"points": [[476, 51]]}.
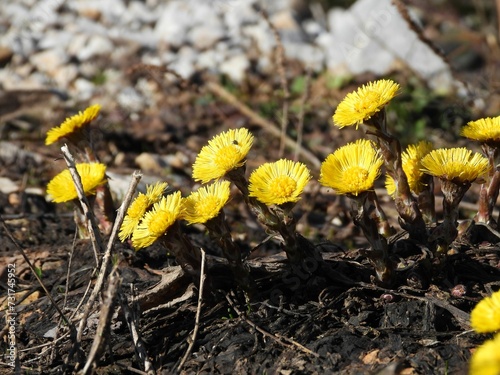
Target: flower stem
{"points": [[489, 192], [219, 232], [406, 204], [365, 218], [186, 255], [447, 231]]}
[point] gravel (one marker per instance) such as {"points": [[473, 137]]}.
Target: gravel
{"points": [[68, 45]]}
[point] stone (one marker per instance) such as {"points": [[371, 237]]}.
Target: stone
{"points": [[148, 162], [205, 36], [96, 45], [49, 61], [235, 67], [84, 89], [312, 56], [371, 36]]}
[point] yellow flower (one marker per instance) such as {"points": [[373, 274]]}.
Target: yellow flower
{"points": [[62, 189], [485, 316], [359, 106], [223, 153], [206, 202], [455, 164], [279, 182], [352, 169], [156, 221], [72, 124], [138, 208], [483, 130], [486, 359], [412, 165]]}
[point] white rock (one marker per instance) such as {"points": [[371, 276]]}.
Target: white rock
{"points": [[49, 61], [65, 75], [235, 67], [313, 57], [130, 99], [8, 186], [96, 45], [184, 63], [240, 14], [56, 39], [205, 36], [371, 36], [173, 24], [84, 89], [312, 28], [284, 20], [209, 60], [149, 162], [261, 35], [140, 11]]}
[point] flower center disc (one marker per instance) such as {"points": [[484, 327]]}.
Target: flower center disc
{"points": [[158, 224], [355, 178], [368, 102], [227, 157], [283, 186], [207, 206]]}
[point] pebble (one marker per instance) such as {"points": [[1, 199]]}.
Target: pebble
{"points": [[45, 43]]}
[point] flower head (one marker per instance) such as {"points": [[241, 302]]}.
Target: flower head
{"points": [[206, 202], [486, 359], [138, 208], [62, 189], [359, 106], [485, 317], [455, 164], [72, 125], [156, 222], [483, 130], [279, 182], [412, 166], [223, 153], [352, 169]]}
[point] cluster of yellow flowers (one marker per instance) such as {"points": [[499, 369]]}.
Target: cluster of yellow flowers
{"points": [[350, 170], [272, 184], [272, 190], [485, 318]]}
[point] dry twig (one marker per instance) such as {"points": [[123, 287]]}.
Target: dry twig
{"points": [[285, 341], [300, 125], [132, 321], [95, 236], [105, 316], [198, 312], [257, 119], [107, 255], [32, 268], [280, 63]]}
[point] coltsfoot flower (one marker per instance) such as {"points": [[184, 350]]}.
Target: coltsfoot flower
{"points": [[156, 222], [486, 359], [359, 106], [224, 152], [412, 166], [62, 189], [138, 208], [459, 165], [206, 202], [72, 125], [352, 169], [279, 182], [485, 317], [485, 130]]}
